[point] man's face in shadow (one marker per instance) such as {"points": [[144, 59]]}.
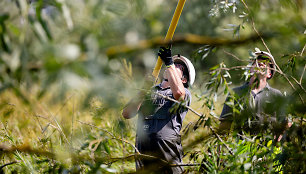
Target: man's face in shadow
{"points": [[261, 67]]}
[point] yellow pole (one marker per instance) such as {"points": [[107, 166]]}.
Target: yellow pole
{"points": [[171, 29]]}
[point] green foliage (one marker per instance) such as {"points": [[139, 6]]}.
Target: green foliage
{"points": [[55, 72]]}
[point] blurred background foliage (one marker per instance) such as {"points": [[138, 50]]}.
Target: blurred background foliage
{"points": [[56, 70]]}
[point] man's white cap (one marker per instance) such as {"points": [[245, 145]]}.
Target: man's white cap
{"points": [[259, 53], [188, 64]]}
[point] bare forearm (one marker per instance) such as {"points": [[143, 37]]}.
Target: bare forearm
{"points": [[176, 84]]}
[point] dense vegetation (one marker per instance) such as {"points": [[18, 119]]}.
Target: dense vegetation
{"points": [[69, 66]]}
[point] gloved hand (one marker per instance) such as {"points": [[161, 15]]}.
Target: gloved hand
{"points": [[165, 55]]}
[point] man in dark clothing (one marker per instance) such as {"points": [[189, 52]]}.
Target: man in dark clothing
{"points": [[255, 106], [159, 119]]}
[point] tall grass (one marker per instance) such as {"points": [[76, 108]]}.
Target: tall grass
{"points": [[59, 128]]}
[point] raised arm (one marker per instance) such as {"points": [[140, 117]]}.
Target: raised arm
{"points": [[173, 74]]}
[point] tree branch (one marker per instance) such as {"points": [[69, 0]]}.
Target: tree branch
{"points": [[26, 149], [185, 38], [107, 160]]}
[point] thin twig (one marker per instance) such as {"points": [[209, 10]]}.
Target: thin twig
{"points": [[189, 164], [253, 25], [65, 103], [228, 148], [40, 116], [234, 56], [298, 83], [302, 73], [182, 104], [40, 125], [7, 164], [231, 68], [61, 130], [303, 50]]}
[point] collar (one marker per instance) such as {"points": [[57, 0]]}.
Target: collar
{"points": [[266, 88], [159, 86]]}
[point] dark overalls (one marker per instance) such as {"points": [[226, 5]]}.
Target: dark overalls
{"points": [[158, 132]]}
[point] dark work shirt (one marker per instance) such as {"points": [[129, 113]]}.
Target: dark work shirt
{"points": [[254, 110], [161, 117]]}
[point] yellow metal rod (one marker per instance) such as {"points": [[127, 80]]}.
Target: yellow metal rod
{"points": [[170, 33]]}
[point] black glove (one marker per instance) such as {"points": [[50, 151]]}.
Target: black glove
{"points": [[165, 55]]}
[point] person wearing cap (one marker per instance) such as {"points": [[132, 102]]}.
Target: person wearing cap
{"points": [[258, 106], [159, 119]]}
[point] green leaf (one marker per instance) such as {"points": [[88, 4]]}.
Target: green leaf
{"points": [[225, 90], [215, 67], [269, 143], [106, 147]]}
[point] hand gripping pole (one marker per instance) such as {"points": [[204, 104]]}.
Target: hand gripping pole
{"points": [[170, 33]]}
